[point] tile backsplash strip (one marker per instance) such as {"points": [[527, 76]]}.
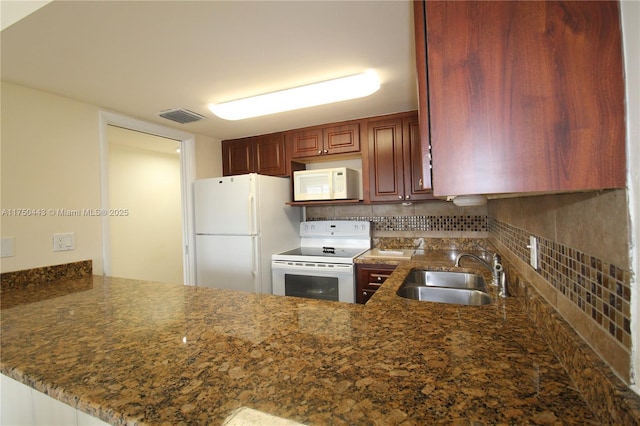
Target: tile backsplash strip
{"points": [[599, 289], [440, 223]]}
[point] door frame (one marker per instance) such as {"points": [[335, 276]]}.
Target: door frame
{"points": [[187, 177]]}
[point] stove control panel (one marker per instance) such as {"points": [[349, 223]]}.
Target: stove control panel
{"points": [[335, 228]]}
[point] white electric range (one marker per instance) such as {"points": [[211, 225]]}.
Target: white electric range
{"points": [[323, 266]]}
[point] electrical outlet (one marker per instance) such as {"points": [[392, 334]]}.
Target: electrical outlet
{"points": [[533, 252], [64, 242]]}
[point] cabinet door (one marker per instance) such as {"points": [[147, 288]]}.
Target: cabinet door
{"points": [[270, 155], [341, 139], [414, 186], [306, 143], [386, 180], [420, 35], [338, 139], [525, 96], [237, 157]]}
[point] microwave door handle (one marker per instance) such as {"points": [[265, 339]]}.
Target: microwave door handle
{"points": [[331, 177]]}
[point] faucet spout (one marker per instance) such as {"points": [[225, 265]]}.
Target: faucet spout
{"points": [[499, 275], [473, 256]]}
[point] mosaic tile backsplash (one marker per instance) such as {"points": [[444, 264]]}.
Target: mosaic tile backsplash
{"points": [[600, 289], [478, 223]]}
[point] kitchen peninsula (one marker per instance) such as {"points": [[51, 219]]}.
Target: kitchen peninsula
{"points": [[135, 352]]}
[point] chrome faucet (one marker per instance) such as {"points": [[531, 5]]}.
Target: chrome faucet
{"points": [[499, 275]]}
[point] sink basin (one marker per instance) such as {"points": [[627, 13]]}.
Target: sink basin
{"points": [[458, 296], [459, 288], [445, 279]]}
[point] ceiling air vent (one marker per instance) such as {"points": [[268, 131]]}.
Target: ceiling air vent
{"points": [[181, 116]]}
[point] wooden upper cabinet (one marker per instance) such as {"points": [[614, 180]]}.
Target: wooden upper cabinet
{"points": [[414, 172], [270, 155], [525, 96], [306, 143], [337, 139], [237, 157], [395, 159], [386, 176], [342, 139], [419, 11], [265, 154]]}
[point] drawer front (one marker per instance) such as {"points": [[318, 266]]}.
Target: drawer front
{"points": [[369, 279], [375, 279]]}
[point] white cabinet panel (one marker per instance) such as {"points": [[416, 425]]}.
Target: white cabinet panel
{"points": [[49, 411], [22, 405], [86, 420], [15, 402]]}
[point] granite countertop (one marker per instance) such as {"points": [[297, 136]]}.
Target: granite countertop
{"points": [[136, 352]]}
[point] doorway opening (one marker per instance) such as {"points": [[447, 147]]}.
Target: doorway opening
{"points": [[147, 172], [145, 220]]}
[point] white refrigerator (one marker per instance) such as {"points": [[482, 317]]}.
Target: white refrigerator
{"points": [[240, 222]]}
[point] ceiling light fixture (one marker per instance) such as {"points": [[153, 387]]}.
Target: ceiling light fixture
{"points": [[326, 92], [468, 200]]}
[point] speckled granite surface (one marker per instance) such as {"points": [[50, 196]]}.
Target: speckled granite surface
{"points": [[10, 281], [134, 352], [606, 394]]}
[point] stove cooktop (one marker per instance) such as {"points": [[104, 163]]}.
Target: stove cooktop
{"points": [[329, 242], [328, 252]]}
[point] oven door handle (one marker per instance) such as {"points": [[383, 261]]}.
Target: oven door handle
{"points": [[284, 265]]}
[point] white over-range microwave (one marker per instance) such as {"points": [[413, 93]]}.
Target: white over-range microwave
{"points": [[338, 183]]}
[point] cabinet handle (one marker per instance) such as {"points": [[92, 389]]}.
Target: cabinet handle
{"points": [[320, 152], [326, 151], [364, 293], [407, 197], [400, 197], [420, 183]]}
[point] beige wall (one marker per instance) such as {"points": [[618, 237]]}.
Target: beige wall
{"points": [[630, 11], [50, 148], [50, 161], [208, 157], [146, 243]]}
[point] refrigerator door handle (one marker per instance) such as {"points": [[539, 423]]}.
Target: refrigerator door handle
{"points": [[255, 264], [252, 214]]}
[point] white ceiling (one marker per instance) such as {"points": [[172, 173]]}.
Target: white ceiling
{"points": [[141, 57]]}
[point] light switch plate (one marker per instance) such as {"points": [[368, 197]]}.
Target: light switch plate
{"points": [[7, 247], [533, 252]]}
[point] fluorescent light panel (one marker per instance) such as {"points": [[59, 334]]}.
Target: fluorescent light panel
{"points": [[326, 92]]}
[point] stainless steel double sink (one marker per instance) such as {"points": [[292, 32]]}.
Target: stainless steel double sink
{"points": [[459, 288]]}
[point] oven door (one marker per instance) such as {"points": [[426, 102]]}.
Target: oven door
{"points": [[314, 280]]}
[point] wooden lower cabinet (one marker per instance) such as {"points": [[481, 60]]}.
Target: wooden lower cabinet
{"points": [[369, 278]]}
